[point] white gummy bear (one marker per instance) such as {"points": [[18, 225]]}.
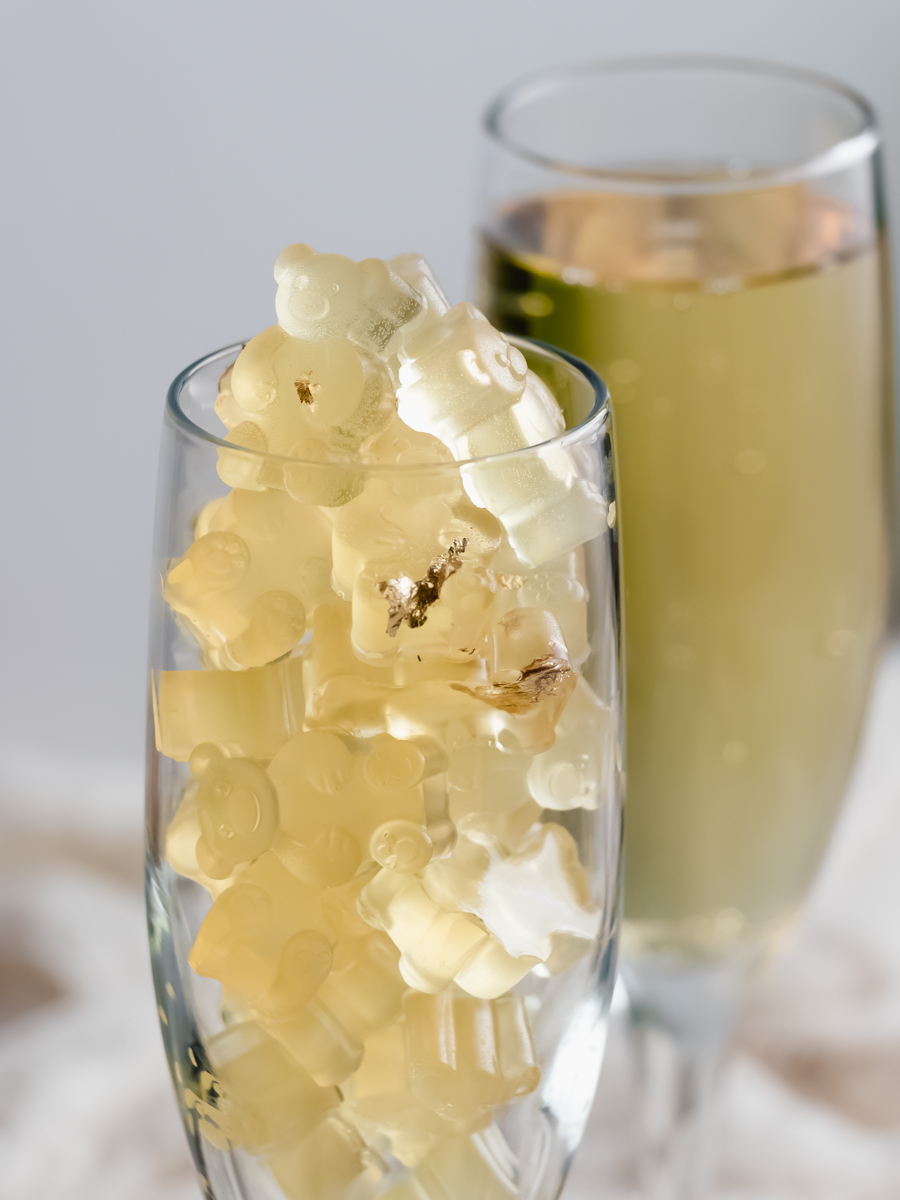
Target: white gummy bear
{"points": [[437, 946], [525, 899], [456, 373], [462, 381]]}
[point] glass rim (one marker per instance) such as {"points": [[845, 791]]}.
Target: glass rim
{"points": [[583, 431], [844, 153]]}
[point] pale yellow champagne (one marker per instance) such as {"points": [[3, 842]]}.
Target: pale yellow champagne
{"points": [[743, 340]]}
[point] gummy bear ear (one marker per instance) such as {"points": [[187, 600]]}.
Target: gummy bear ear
{"points": [[291, 256]]}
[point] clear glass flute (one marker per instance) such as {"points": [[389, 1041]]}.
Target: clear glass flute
{"points": [[383, 883], [710, 235]]}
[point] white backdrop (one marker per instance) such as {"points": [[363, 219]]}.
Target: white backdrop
{"points": [[156, 157]]}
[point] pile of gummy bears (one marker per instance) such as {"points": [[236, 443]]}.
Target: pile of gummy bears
{"points": [[391, 610]]}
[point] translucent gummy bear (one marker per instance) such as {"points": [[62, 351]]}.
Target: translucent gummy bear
{"points": [[559, 586], [531, 677], [414, 270], [327, 1034], [236, 806], [484, 776], [466, 1056], [575, 771], [406, 532], [413, 699], [241, 940], [267, 1103], [525, 898], [323, 296], [382, 1104], [478, 1167], [456, 373], [437, 946], [462, 381], [304, 964], [446, 614], [330, 809], [326, 1163], [290, 388], [247, 713], [247, 584], [347, 693], [544, 502]]}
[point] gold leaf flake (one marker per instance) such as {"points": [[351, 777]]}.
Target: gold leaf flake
{"points": [[409, 599], [306, 391], [542, 677]]}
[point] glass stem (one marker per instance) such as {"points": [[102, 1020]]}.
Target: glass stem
{"points": [[681, 1014]]}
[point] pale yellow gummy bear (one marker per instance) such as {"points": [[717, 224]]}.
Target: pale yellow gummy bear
{"points": [[246, 585], [292, 388], [329, 808], [265, 1102], [326, 1035], [559, 586], [242, 937], [456, 373], [414, 270], [531, 678], [479, 1166], [382, 1104], [325, 1164], [248, 713], [407, 532], [237, 809], [323, 296], [467, 1056], [484, 776]]}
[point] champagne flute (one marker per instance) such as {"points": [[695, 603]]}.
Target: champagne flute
{"points": [[710, 235], [333, 1031]]}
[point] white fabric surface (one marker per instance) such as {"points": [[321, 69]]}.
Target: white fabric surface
{"points": [[809, 1105]]}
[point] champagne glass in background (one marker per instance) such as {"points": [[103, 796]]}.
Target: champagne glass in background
{"points": [[710, 236]]}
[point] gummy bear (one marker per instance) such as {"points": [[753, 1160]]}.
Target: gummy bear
{"points": [[328, 805], [241, 940], [462, 381], [326, 1163], [247, 713], [324, 296], [575, 771], [267, 1103], [246, 586], [359, 997], [438, 946], [382, 1103], [236, 807], [531, 677], [525, 898], [456, 373], [466, 1056]]}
